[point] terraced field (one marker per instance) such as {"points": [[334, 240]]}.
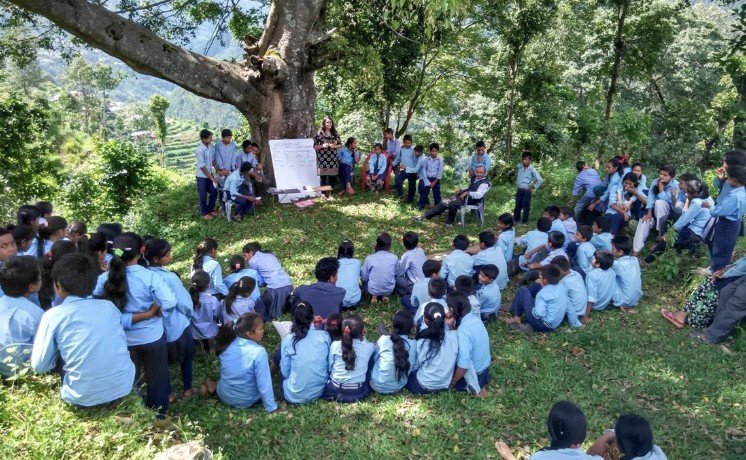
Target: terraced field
{"points": [[181, 141]]}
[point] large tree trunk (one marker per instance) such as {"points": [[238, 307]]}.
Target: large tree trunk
{"points": [[274, 89], [614, 77]]}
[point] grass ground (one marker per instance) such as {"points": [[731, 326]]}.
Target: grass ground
{"points": [[692, 394]]}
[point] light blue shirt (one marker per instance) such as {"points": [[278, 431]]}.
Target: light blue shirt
{"points": [[551, 305], [233, 278], [204, 325], [625, 197], [240, 306], [179, 320], [205, 155], [665, 195], [696, 217], [489, 297], [225, 155], [394, 148], [347, 156], [614, 181], [420, 293], [485, 161], [584, 256], [528, 177], [421, 308], [602, 241], [436, 373], [628, 282], [410, 265], [558, 226], [19, 320], [533, 239], [733, 206], [505, 242], [571, 227], [212, 267], [456, 264], [721, 185], [563, 454], [144, 288], [377, 164], [433, 167], [304, 366], [337, 372], [738, 268], [420, 168], [88, 336], [348, 278], [408, 160], [379, 271], [270, 270], [495, 257], [473, 344], [232, 182], [655, 454], [555, 253], [243, 157], [32, 249], [585, 181], [383, 376], [601, 285], [578, 296], [244, 375]]}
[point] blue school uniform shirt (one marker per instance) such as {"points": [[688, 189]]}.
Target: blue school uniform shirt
{"points": [[585, 181], [421, 308], [489, 297], [433, 168], [204, 324], [377, 164], [456, 264], [665, 195], [87, 335], [410, 265], [420, 168], [32, 249], [584, 256], [383, 376], [601, 286], [205, 154], [269, 268], [243, 157], [180, 319], [245, 376], [379, 271], [473, 344], [212, 267], [571, 227], [551, 304], [233, 278], [409, 160], [724, 188], [485, 161], [304, 366], [738, 268], [233, 181], [505, 242], [144, 288], [240, 306], [419, 292], [550, 257], [625, 197], [527, 177], [225, 155], [613, 184], [533, 239], [696, 217], [393, 147], [435, 372], [558, 226], [628, 282], [564, 454], [348, 278], [19, 320], [577, 295], [363, 352], [733, 206], [495, 257], [656, 453], [346, 156], [602, 241]]}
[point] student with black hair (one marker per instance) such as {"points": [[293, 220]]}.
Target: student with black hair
{"points": [[392, 146], [244, 365], [471, 195], [488, 293], [348, 276], [465, 285], [29, 215], [731, 158], [379, 270], [96, 250], [586, 180], [58, 250], [553, 213], [324, 296], [633, 437], [238, 270], [577, 293], [480, 157], [238, 301], [45, 209], [109, 231], [206, 308], [19, 317], [240, 190], [546, 312], [420, 291], [728, 213], [349, 156], [584, 251], [409, 270], [248, 154], [567, 428], [333, 326], [527, 180], [535, 242], [394, 356], [602, 233], [600, 283], [457, 262], [55, 230], [628, 275], [23, 235], [77, 232], [276, 297], [489, 253], [473, 362], [224, 160], [375, 174], [134, 289], [554, 249], [437, 352], [348, 363], [506, 236], [661, 199], [8, 247], [407, 169], [304, 358], [207, 183], [205, 258], [87, 336]]}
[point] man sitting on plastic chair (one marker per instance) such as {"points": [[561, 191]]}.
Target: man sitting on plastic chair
{"points": [[471, 196], [239, 190]]}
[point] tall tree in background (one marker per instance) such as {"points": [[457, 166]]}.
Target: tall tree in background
{"points": [[90, 85], [158, 106]]}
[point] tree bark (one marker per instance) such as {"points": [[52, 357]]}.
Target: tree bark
{"points": [[614, 77], [274, 91]]}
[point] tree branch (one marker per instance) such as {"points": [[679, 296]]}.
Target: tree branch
{"points": [[143, 7]]}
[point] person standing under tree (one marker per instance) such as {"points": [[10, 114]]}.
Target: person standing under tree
{"points": [[206, 182], [326, 143], [527, 181]]}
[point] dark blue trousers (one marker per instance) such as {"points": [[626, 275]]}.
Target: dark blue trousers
{"points": [[425, 191], [522, 205], [153, 359], [617, 222], [483, 379], [415, 387], [411, 186], [345, 393], [243, 206], [723, 242], [345, 174], [182, 351], [207, 194], [523, 305]]}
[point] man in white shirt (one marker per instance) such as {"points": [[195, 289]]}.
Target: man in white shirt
{"points": [[472, 195]]}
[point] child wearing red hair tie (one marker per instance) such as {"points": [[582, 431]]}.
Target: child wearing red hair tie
{"points": [[348, 363]]}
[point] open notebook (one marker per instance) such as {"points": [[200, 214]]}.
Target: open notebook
{"points": [[283, 328]]}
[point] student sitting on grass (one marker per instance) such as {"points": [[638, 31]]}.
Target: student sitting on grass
{"points": [[377, 165], [633, 437], [437, 350], [489, 253], [409, 270], [238, 302], [420, 295], [348, 276], [394, 356], [584, 252], [601, 233], [553, 213], [244, 365], [304, 356], [205, 258], [628, 276], [506, 237], [19, 317], [535, 241], [600, 283], [348, 363], [86, 336], [379, 270], [323, 295], [206, 309], [621, 201], [567, 216], [546, 312], [274, 301], [488, 294], [465, 285], [553, 248], [238, 271], [576, 291], [457, 262], [661, 199], [473, 348], [436, 292]]}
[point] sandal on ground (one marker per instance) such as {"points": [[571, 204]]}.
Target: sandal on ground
{"points": [[208, 216], [669, 316]]}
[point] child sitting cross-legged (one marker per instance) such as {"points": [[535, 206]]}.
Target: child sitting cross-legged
{"points": [[546, 311], [488, 294], [628, 276]]}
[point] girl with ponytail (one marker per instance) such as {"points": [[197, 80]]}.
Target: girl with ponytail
{"points": [[348, 363], [179, 338], [437, 349], [239, 301], [206, 310], [473, 347], [244, 365], [47, 298], [55, 230], [304, 354], [205, 259], [238, 270], [395, 356], [29, 215], [135, 290]]}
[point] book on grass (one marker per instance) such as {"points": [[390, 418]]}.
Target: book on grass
{"points": [[283, 328]]}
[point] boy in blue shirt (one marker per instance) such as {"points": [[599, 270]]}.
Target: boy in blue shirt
{"points": [[436, 291], [488, 293], [585, 250], [86, 335], [406, 170], [490, 254], [409, 270], [628, 275], [506, 237], [533, 239], [430, 270], [729, 211], [545, 313], [19, 317], [458, 262], [377, 165], [553, 249], [432, 173], [527, 180], [553, 213], [600, 283], [661, 199], [576, 291], [601, 233]]}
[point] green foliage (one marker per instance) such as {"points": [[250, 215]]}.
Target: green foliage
{"points": [[158, 106]]}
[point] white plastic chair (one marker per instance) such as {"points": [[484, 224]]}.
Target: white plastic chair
{"points": [[476, 209], [12, 356]]}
